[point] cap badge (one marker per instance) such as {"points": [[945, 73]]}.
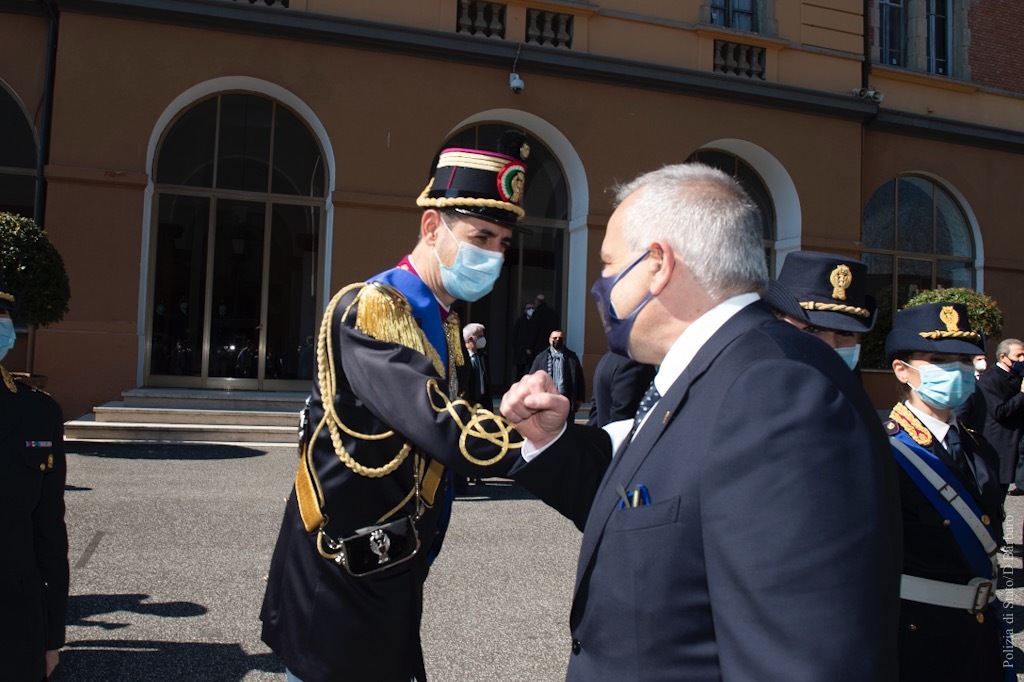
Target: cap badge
{"points": [[841, 278], [511, 182], [950, 317]]}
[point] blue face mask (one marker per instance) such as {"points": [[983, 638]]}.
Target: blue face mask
{"points": [[1017, 367], [616, 328], [474, 272], [945, 386], [6, 336], [850, 355]]}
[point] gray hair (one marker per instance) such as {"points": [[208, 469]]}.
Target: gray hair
{"points": [[707, 218], [471, 329], [1004, 346]]}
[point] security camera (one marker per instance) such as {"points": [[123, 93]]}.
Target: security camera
{"points": [[516, 83], [876, 96], [860, 92]]}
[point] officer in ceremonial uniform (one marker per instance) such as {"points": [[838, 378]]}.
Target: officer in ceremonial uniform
{"points": [[385, 422], [831, 291], [33, 536], [950, 624]]}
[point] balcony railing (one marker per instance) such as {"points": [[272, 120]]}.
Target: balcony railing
{"points": [[737, 59], [481, 19], [548, 28]]}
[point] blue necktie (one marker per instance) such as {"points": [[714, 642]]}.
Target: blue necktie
{"points": [[650, 397], [956, 450]]}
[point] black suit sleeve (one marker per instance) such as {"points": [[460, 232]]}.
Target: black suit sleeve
{"points": [[1003, 402], [566, 475]]}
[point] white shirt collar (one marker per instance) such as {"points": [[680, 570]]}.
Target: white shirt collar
{"points": [[685, 348], [938, 428]]}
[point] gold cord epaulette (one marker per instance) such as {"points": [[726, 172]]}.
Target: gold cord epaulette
{"points": [[503, 434], [909, 422], [835, 308], [8, 380]]}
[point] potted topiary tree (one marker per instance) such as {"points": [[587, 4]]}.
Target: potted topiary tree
{"points": [[983, 311], [34, 270]]}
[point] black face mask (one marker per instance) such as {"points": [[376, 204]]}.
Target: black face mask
{"points": [[557, 344]]}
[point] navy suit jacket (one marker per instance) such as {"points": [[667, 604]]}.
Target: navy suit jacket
{"points": [[1002, 411], [771, 547], [619, 385]]}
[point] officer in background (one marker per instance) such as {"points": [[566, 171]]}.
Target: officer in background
{"points": [[345, 590], [950, 624], [832, 290], [33, 536]]}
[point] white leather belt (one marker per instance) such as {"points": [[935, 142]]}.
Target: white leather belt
{"points": [[973, 597]]}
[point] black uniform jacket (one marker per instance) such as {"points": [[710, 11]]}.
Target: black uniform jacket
{"points": [[770, 546], [324, 623], [939, 642], [33, 537]]}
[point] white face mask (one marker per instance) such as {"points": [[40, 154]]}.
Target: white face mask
{"points": [[481, 343], [474, 272], [980, 365]]}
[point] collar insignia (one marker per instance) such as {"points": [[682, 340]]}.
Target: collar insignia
{"points": [[906, 420]]}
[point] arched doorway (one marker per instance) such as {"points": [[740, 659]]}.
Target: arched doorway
{"points": [[236, 247], [537, 261]]}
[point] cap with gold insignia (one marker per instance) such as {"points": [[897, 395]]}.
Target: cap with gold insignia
{"points": [[487, 184], [933, 328], [832, 289]]}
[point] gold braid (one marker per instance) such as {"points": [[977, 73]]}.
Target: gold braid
{"points": [[479, 416], [325, 375], [424, 201], [973, 336], [835, 308]]}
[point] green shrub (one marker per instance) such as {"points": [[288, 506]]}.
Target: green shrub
{"points": [[34, 270]]}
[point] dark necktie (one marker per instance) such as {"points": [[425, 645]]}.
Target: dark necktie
{"points": [[956, 450], [650, 397]]}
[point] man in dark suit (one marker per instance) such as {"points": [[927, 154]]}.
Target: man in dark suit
{"points": [[565, 370], [477, 383], [619, 383], [33, 535], [748, 528], [545, 321], [999, 404]]}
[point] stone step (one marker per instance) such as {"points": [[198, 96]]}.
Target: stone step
{"points": [[119, 412], [87, 428], [185, 398]]}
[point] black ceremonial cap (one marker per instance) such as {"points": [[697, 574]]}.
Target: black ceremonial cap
{"points": [[782, 299], [7, 297], [488, 184], [933, 328], [832, 289]]}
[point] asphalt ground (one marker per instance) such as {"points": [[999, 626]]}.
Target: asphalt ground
{"points": [[170, 545], [169, 548]]}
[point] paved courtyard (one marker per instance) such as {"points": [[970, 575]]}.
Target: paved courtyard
{"points": [[170, 546]]}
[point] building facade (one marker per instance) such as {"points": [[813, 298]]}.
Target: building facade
{"points": [[212, 170]]}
